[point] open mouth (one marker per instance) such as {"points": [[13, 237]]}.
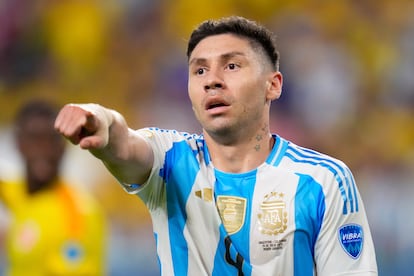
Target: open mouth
{"points": [[215, 105]]}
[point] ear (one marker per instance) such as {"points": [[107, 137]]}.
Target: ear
{"points": [[274, 86]]}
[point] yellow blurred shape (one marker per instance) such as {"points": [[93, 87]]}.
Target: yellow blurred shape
{"points": [[76, 33]]}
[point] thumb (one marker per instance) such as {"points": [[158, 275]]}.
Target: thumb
{"points": [[94, 134], [93, 142]]}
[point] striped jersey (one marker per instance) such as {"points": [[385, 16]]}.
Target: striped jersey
{"points": [[298, 213]]}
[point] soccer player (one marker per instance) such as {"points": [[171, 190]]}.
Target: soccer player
{"points": [[235, 199], [56, 229]]}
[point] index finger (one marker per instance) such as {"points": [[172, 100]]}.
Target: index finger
{"points": [[75, 123]]}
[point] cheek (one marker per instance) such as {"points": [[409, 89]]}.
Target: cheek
{"points": [[252, 93], [195, 103], [193, 100], [253, 101], [191, 92], [195, 94]]}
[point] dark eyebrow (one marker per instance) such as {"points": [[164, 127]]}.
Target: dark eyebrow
{"points": [[223, 57], [197, 61], [231, 55]]}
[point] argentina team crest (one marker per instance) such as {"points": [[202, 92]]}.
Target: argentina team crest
{"points": [[232, 211], [351, 237], [273, 215]]}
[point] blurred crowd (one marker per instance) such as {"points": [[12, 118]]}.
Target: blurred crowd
{"points": [[348, 91]]}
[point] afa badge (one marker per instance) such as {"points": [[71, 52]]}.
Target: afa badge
{"points": [[273, 215], [351, 237]]}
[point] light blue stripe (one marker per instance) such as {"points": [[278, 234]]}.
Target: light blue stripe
{"points": [[354, 189], [315, 158], [156, 246], [338, 179], [276, 154], [221, 266], [179, 178], [347, 176], [309, 214], [240, 185]]}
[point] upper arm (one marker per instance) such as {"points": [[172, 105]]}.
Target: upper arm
{"points": [[344, 243]]}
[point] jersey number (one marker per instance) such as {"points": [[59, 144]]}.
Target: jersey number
{"points": [[238, 263]]}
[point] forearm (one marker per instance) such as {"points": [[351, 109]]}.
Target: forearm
{"points": [[127, 156], [115, 133]]}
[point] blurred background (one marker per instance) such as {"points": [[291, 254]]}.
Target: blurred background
{"points": [[348, 91]]}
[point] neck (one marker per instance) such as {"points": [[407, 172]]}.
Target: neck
{"points": [[241, 156], [34, 186]]}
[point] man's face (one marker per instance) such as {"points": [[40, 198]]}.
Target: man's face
{"points": [[41, 148], [229, 85]]}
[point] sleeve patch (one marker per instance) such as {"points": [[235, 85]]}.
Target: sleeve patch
{"points": [[351, 237]]}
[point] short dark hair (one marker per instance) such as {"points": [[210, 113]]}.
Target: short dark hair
{"points": [[36, 108], [257, 34]]}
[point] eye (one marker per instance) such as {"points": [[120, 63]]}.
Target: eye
{"points": [[200, 71], [232, 66]]}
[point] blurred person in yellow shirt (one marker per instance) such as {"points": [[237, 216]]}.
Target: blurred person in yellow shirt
{"points": [[56, 228]]}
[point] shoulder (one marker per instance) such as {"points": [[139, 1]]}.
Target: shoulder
{"points": [[12, 192], [166, 137], [311, 161], [150, 132]]}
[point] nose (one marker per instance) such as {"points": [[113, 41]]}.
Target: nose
{"points": [[214, 81], [213, 85]]}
